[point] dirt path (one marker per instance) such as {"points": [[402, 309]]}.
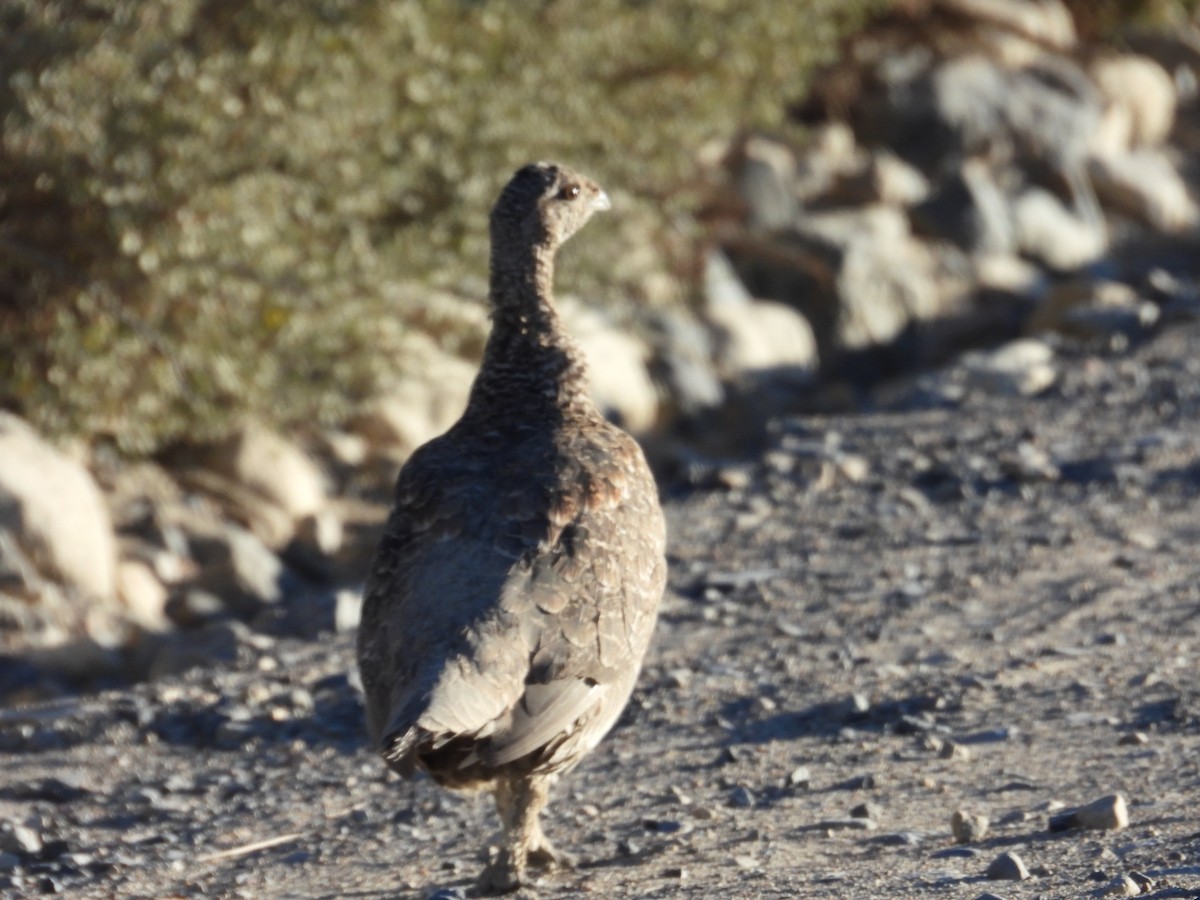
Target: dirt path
{"points": [[955, 601]]}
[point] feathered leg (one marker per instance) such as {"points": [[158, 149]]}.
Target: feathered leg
{"points": [[519, 803]]}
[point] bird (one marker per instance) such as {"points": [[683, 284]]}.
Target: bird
{"points": [[516, 584]]}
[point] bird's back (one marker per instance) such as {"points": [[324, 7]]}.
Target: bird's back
{"points": [[512, 596]]}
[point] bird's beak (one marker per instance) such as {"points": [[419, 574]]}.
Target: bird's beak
{"points": [[601, 202]]}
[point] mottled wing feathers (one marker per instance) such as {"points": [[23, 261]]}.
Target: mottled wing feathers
{"points": [[521, 609]]}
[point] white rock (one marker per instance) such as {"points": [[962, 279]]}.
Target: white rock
{"points": [[1145, 185], [52, 506], [620, 380], [142, 594], [273, 467], [1023, 367], [419, 408], [1048, 231], [882, 287], [1142, 91], [757, 334]]}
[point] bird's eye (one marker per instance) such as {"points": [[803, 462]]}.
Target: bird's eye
{"points": [[570, 192]]}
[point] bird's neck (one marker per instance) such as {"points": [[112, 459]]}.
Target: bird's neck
{"points": [[530, 361]]}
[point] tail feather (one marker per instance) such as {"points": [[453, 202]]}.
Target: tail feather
{"points": [[397, 749]]}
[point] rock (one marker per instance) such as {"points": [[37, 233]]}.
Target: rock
{"points": [[271, 466], [764, 181], [1134, 739], [1047, 231], [52, 506], [1123, 886], [420, 407], [617, 367], [742, 797], [1007, 867], [142, 594], [886, 179], [1022, 367], [1109, 813], [347, 610], [800, 777], [1140, 95], [237, 568], [867, 810], [968, 828], [755, 335], [1083, 308], [883, 288], [1146, 186], [1045, 21], [968, 210]]}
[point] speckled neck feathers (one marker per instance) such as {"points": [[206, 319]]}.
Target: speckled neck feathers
{"points": [[530, 362]]}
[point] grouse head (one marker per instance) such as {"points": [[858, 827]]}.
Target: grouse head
{"points": [[544, 204]]}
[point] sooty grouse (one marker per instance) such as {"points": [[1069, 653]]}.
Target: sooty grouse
{"points": [[517, 582]]}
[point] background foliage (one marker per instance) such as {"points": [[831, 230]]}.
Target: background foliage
{"points": [[210, 209]]}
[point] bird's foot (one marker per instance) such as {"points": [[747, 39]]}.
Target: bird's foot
{"points": [[544, 855]]}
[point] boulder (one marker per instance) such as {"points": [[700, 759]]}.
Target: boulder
{"points": [[418, 408], [1047, 231], [755, 335], [271, 466], [1139, 94], [617, 367], [1146, 186], [55, 511]]}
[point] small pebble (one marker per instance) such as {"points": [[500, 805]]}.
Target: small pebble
{"points": [[742, 797], [847, 824], [953, 750], [800, 777], [867, 810], [1007, 867], [968, 828], [1122, 887], [1134, 739]]}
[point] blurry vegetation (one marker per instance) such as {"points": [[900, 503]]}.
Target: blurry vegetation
{"points": [[1106, 18], [213, 209]]}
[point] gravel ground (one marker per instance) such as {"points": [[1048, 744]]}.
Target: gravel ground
{"points": [[957, 600]]}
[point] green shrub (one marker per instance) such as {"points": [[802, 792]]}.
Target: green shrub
{"points": [[213, 209]]}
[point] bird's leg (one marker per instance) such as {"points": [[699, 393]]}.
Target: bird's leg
{"points": [[519, 803]]}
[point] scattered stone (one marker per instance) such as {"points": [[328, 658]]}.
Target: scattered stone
{"points": [[849, 823], [1123, 886], [867, 810], [1134, 739], [1007, 866], [800, 777], [967, 827], [742, 797], [1023, 367], [1109, 813], [953, 750]]}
